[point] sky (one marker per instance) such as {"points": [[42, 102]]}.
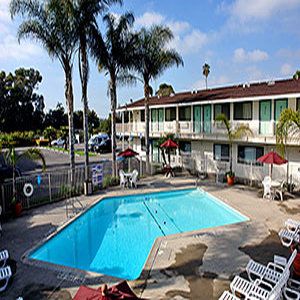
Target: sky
{"points": [[241, 40]]}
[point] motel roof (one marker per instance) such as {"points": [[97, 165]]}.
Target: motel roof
{"points": [[240, 92]]}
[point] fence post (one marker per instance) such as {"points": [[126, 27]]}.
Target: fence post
{"points": [[49, 184]]}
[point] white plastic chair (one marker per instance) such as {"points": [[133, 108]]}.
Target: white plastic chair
{"points": [[123, 181], [3, 258], [288, 237], [280, 191], [134, 178], [259, 288], [273, 271], [292, 225], [228, 296], [5, 274], [267, 187]]}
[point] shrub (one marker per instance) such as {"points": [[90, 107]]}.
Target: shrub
{"points": [[18, 138], [110, 181]]}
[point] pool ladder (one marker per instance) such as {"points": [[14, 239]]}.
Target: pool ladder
{"points": [[73, 207]]}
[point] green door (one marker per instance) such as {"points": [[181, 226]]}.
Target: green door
{"points": [[265, 126], [197, 118], [161, 119], [280, 105], [207, 118], [154, 118]]}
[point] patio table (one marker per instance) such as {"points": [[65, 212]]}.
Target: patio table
{"points": [[127, 177]]}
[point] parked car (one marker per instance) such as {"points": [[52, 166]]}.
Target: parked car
{"points": [[104, 146], [59, 142], [96, 140]]}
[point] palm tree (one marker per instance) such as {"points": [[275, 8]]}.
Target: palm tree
{"points": [[152, 59], [237, 132], [85, 14], [206, 71], [11, 158], [114, 54], [296, 75], [288, 127], [49, 23]]}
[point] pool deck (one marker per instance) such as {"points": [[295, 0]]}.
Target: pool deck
{"points": [[194, 265]]}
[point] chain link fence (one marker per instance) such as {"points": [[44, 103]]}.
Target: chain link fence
{"points": [[43, 188]]}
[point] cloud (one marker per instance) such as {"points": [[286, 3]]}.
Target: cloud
{"points": [[187, 40], [254, 73], [212, 82], [260, 9], [4, 11], [241, 55], [150, 18], [11, 49], [286, 70]]}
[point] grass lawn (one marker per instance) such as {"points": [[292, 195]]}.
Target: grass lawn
{"points": [[78, 152]]}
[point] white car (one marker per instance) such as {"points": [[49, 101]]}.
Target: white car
{"points": [[59, 142]]}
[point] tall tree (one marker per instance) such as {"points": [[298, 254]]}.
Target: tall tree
{"points": [[85, 13], [206, 71], [114, 55], [165, 90], [49, 23], [153, 57], [56, 117], [21, 108]]}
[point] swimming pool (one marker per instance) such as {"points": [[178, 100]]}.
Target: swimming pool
{"points": [[115, 236]]}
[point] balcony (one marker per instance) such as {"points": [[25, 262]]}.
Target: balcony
{"points": [[263, 131]]}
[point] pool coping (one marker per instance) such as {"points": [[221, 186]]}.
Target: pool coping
{"points": [[150, 260]]}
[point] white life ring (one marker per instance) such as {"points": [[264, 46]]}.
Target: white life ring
{"points": [[28, 189]]}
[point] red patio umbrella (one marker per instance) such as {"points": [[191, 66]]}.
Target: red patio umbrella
{"points": [[272, 158], [128, 153], [169, 144]]}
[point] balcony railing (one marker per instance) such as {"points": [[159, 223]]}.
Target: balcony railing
{"points": [[260, 129]]}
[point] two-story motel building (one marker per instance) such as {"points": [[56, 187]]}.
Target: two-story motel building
{"points": [[191, 117]]}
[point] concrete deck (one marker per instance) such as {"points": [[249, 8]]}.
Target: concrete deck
{"points": [[195, 265]]}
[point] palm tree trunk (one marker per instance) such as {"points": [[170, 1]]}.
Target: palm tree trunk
{"points": [[206, 81], [70, 104], [113, 97], [147, 125], [230, 162], [83, 70]]}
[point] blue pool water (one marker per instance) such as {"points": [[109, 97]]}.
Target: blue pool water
{"points": [[116, 235]]}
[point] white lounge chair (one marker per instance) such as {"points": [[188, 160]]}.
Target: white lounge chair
{"points": [[3, 258], [123, 181], [5, 274], [292, 225], [273, 271], [280, 191], [259, 288], [288, 237], [134, 178], [228, 296]]}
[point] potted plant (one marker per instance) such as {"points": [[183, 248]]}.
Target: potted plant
{"points": [[16, 206], [230, 177]]}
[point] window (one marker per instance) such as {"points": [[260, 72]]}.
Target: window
{"points": [[221, 152], [185, 113], [243, 111], [222, 109], [185, 146], [280, 105], [170, 114], [142, 115], [247, 154]]}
